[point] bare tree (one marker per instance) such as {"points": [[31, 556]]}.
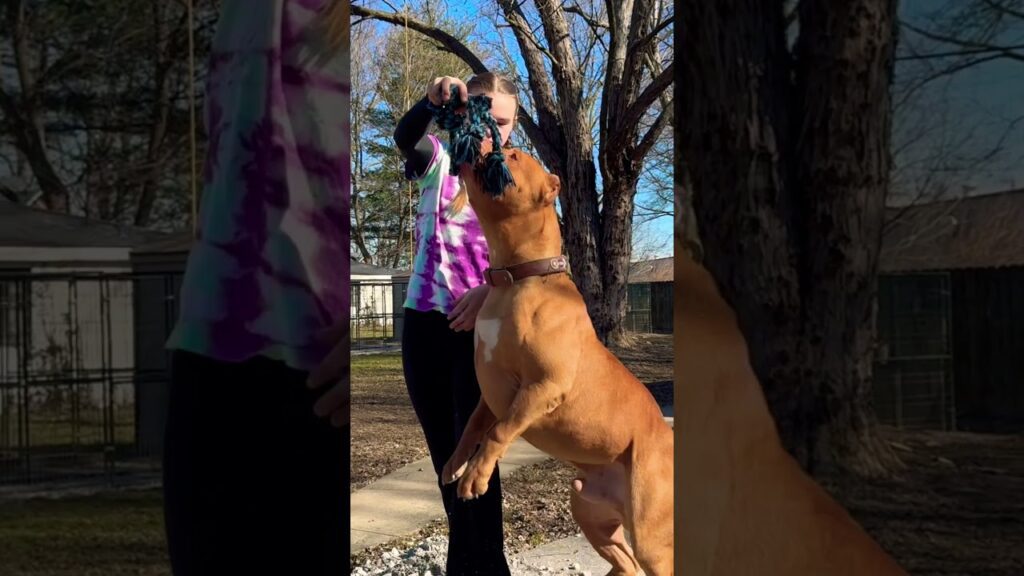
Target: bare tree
{"points": [[788, 148], [628, 42], [103, 130]]}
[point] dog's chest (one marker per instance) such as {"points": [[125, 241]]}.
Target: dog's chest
{"points": [[486, 338], [494, 352]]}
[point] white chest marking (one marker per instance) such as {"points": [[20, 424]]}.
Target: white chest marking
{"points": [[487, 333]]}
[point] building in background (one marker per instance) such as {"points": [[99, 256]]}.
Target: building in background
{"points": [[376, 304], [649, 296], [67, 341], [951, 315]]}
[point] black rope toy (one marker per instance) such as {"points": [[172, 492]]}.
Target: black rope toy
{"points": [[466, 132]]}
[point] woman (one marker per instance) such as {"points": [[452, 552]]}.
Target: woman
{"points": [[445, 293], [255, 476]]}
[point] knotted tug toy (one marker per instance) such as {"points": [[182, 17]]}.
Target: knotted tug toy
{"points": [[466, 132]]}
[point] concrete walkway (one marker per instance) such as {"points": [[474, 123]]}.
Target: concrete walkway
{"points": [[573, 555], [408, 499]]}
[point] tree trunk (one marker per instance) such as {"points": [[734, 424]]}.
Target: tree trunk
{"points": [[581, 227], [791, 226], [581, 216], [685, 217], [617, 241], [734, 92], [844, 75]]}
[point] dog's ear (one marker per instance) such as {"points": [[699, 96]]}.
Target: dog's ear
{"points": [[551, 191]]}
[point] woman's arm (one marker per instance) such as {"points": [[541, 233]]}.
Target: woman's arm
{"points": [[411, 138]]}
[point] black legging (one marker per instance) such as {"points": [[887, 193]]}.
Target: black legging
{"points": [[254, 482], [441, 379]]}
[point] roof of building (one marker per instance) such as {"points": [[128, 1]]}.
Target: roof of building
{"points": [[361, 269], [174, 243], [985, 231], [21, 226], [657, 270]]}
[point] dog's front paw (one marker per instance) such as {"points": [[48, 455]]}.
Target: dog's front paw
{"points": [[474, 481], [457, 464]]}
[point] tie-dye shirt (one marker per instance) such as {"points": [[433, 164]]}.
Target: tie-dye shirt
{"points": [[451, 252], [270, 265]]}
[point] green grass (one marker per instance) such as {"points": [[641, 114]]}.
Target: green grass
{"points": [[378, 366], [373, 332], [59, 432], [109, 534]]}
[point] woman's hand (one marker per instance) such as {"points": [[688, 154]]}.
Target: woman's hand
{"points": [[467, 307], [336, 403], [440, 91]]}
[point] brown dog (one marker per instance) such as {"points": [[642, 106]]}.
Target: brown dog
{"points": [[545, 376], [746, 507]]}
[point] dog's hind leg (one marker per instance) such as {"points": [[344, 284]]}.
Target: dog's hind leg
{"points": [[650, 510], [601, 523]]}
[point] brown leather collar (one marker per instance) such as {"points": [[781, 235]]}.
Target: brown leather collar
{"points": [[508, 276]]}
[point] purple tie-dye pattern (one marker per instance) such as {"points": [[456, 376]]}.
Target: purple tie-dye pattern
{"points": [[451, 252], [270, 266]]}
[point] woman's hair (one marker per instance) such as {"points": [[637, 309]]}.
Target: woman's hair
{"points": [[336, 20], [485, 82], [491, 82]]}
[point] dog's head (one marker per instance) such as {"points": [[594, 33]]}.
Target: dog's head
{"points": [[533, 189]]}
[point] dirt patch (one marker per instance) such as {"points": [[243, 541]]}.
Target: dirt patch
{"points": [[536, 505], [650, 357], [956, 509], [385, 432]]}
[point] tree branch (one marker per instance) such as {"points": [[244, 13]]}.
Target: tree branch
{"points": [[522, 31], [549, 130], [64, 64], [1006, 52], [941, 73], [954, 53], [637, 109], [1000, 7], [564, 67], [650, 36], [653, 133], [449, 42], [594, 23]]}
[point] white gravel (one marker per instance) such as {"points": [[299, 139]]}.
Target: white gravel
{"points": [[427, 558], [424, 559]]}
